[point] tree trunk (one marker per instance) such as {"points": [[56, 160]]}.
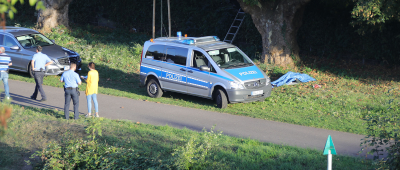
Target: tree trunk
{"points": [[278, 22], [55, 14]]}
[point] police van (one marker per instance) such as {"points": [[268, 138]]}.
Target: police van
{"points": [[204, 67]]}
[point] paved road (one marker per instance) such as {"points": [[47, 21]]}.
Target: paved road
{"points": [[175, 116]]}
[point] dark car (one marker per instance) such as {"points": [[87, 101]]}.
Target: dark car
{"points": [[20, 44]]}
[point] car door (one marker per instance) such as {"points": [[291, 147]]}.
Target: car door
{"points": [[174, 73], [15, 55], [198, 81]]}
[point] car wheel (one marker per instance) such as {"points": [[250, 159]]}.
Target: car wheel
{"points": [[221, 99], [30, 71], [153, 88]]}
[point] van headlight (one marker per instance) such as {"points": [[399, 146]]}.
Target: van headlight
{"points": [[236, 85]]}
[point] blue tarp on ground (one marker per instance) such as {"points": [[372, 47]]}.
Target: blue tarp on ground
{"points": [[291, 77]]}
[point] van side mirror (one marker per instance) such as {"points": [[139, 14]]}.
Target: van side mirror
{"points": [[53, 41], [15, 47], [205, 68]]}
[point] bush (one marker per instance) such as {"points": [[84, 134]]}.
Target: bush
{"points": [[82, 154], [195, 154], [384, 134]]}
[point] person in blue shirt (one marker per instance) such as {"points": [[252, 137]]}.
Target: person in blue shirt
{"points": [[71, 90], [5, 62], [39, 63]]}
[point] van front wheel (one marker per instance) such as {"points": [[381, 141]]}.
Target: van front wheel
{"points": [[221, 99], [154, 89]]}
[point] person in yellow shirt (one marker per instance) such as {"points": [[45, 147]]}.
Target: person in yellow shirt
{"points": [[91, 89]]}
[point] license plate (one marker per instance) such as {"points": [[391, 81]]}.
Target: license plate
{"points": [[258, 92], [66, 68]]}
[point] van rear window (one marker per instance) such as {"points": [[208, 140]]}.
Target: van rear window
{"points": [[157, 52], [176, 55]]}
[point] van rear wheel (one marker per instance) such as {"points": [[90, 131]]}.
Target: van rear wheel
{"points": [[154, 89], [221, 99]]}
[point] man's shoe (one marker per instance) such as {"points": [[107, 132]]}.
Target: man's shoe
{"points": [[43, 100], [8, 98], [32, 98]]}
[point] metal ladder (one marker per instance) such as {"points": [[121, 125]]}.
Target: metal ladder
{"points": [[237, 22]]}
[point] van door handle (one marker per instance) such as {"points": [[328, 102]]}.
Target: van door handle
{"points": [[190, 71], [182, 69]]}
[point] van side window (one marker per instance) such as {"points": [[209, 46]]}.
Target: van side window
{"points": [[177, 55], [156, 52], [170, 55], [198, 59]]}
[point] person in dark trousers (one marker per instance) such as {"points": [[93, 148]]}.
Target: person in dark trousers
{"points": [[71, 90], [39, 63], [5, 62]]}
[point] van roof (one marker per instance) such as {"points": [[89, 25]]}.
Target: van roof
{"points": [[206, 43]]}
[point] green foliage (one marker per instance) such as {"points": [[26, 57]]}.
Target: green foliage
{"points": [[81, 154], [263, 67], [94, 126], [195, 153], [251, 2], [192, 17], [92, 154], [383, 133], [374, 13], [327, 35], [7, 6], [279, 70]]}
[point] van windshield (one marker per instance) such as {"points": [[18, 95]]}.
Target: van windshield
{"points": [[33, 40], [228, 58]]}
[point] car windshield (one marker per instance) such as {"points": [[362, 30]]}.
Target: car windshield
{"points": [[34, 40], [228, 58]]}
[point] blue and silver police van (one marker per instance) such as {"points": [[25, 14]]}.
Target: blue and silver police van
{"points": [[204, 67]]}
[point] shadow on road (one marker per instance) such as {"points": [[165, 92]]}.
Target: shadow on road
{"points": [[26, 101], [39, 106]]}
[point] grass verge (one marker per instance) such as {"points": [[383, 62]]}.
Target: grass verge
{"points": [[32, 129], [348, 91]]}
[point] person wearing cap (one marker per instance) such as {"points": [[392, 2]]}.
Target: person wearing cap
{"points": [[39, 63], [71, 91], [5, 62]]}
